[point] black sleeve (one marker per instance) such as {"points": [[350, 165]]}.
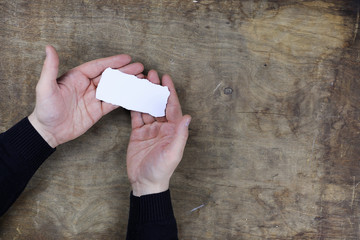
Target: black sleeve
{"points": [[151, 217], [22, 151]]}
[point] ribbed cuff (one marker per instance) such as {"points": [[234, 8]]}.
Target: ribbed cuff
{"points": [[151, 208], [28, 144]]}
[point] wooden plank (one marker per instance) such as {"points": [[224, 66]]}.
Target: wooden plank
{"points": [[273, 88]]}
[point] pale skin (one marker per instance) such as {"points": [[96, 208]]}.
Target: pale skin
{"points": [[156, 144], [66, 108]]}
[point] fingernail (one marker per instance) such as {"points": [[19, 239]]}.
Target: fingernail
{"points": [[188, 122]]}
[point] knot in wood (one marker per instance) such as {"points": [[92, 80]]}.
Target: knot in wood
{"points": [[228, 91]]}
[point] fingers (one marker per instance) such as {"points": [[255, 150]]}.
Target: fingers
{"points": [[176, 148], [94, 68], [136, 120], [173, 108], [133, 69], [49, 71], [160, 119], [140, 76], [153, 77], [147, 118]]}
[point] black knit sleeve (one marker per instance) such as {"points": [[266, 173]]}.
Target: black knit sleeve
{"points": [[22, 151], [151, 217]]}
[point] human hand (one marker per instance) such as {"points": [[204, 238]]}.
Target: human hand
{"points": [[156, 144], [67, 107]]}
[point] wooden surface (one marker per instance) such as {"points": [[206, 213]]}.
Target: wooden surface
{"points": [[274, 91]]}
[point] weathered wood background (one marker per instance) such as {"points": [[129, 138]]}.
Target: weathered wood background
{"points": [[274, 90]]}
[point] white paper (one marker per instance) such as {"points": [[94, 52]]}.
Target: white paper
{"points": [[132, 93]]}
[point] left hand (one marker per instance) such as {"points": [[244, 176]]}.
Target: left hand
{"points": [[67, 107]]}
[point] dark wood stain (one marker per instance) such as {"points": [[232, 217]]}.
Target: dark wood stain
{"points": [[274, 91]]}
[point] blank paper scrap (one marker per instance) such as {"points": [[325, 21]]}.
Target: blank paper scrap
{"points": [[132, 93]]}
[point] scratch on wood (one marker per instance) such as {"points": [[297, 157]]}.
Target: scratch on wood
{"points": [[217, 87], [194, 209], [125, 21], [357, 23], [353, 192], [18, 230], [313, 144]]}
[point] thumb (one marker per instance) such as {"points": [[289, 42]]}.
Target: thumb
{"points": [[50, 70], [182, 133]]}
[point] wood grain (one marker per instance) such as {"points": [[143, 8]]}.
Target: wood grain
{"points": [[272, 86]]}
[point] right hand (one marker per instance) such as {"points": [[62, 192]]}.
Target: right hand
{"points": [[156, 144]]}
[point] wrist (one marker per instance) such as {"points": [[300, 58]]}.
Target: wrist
{"points": [[146, 189], [48, 137]]}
